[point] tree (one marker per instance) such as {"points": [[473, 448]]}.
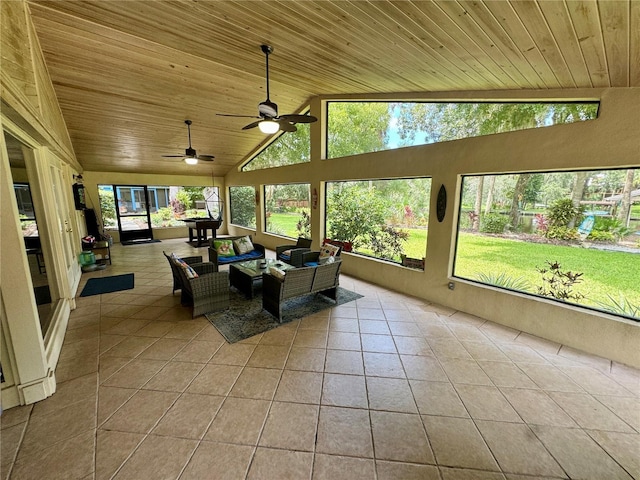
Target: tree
{"points": [[625, 205], [518, 196], [243, 206], [477, 209], [357, 127], [489, 205], [576, 194], [287, 149]]}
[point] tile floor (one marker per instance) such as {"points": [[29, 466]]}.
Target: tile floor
{"points": [[387, 387]]}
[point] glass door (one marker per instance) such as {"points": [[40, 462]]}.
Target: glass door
{"points": [[133, 213]]}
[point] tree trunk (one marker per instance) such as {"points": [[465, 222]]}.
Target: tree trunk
{"points": [[576, 194], [477, 208], [518, 191], [489, 204], [624, 213]]}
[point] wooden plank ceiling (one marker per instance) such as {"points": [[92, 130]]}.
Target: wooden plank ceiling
{"points": [[128, 73]]}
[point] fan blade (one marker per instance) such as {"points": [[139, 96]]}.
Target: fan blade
{"points": [[285, 126], [237, 116], [298, 118], [251, 125], [206, 158], [173, 156]]}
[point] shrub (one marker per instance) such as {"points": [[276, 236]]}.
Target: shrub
{"points": [[387, 242], [304, 225], [503, 280], [562, 211], [541, 223], [493, 223], [558, 284], [601, 236], [621, 306], [563, 233], [614, 226]]}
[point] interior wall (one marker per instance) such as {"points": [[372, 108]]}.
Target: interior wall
{"points": [[611, 140]]}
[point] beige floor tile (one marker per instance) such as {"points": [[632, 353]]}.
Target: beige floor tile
{"points": [[215, 380], [158, 457], [346, 362], [68, 393], [318, 321], [283, 335], [307, 359], [499, 332], [413, 346], [76, 367], [468, 474], [522, 354], [344, 324], [153, 313], [517, 450], [377, 343], [260, 383], [423, 368], [540, 345], [218, 461], [485, 351], [109, 341], [437, 333], [405, 329], [506, 374], [141, 412], [290, 426], [550, 378], [487, 403], [112, 449], [11, 439], [390, 394], [400, 437], [269, 356], [437, 398], [197, 352], [71, 458], [344, 311], [365, 313], [589, 413], [595, 382], [344, 341], [82, 333], [456, 442], [281, 464], [344, 391], [462, 371], [344, 431], [210, 334], [405, 471], [627, 408], [239, 420], [135, 373], [70, 421], [383, 365], [536, 407], [578, 454], [299, 387], [623, 448], [15, 415], [468, 333], [186, 330], [333, 467], [163, 349], [189, 417], [233, 354], [310, 338], [111, 399], [378, 327], [174, 377], [448, 348]]}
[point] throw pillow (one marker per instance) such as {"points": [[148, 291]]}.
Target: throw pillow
{"points": [[328, 250], [286, 253], [243, 245], [276, 272], [224, 248], [189, 271]]}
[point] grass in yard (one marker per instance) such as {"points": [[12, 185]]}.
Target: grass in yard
{"points": [[604, 272], [284, 224]]}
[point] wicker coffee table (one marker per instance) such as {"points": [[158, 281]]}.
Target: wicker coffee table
{"points": [[245, 276]]}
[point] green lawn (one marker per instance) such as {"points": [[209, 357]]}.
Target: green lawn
{"points": [[604, 272], [284, 224]]}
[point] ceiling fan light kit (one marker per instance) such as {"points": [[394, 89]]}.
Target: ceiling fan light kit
{"points": [[269, 121], [190, 156]]}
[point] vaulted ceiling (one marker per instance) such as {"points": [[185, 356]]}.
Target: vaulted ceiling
{"points": [[128, 73]]}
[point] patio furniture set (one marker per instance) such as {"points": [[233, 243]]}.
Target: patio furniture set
{"points": [[296, 271]]}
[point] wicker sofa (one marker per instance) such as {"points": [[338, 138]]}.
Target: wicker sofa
{"points": [[297, 282], [257, 253], [208, 292]]}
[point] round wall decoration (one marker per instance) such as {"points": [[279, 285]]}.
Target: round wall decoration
{"points": [[441, 203]]}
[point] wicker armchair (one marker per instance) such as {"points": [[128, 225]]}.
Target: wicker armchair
{"points": [[312, 259], [294, 257], [177, 283], [208, 292]]}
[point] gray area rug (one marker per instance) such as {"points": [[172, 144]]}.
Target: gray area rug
{"points": [[246, 318]]}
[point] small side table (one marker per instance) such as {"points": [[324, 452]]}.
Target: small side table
{"points": [[104, 250]]}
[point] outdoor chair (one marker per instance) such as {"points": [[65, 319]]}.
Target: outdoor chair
{"points": [[292, 254], [313, 259], [177, 284]]}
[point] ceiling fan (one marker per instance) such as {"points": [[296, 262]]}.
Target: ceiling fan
{"points": [[190, 155], [269, 120]]}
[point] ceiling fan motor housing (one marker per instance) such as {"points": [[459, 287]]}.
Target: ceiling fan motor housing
{"points": [[190, 152], [268, 109]]}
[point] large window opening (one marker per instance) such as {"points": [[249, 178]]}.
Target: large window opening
{"points": [[288, 149], [242, 206], [287, 211], [386, 219], [572, 237], [362, 127]]}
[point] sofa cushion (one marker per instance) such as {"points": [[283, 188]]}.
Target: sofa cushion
{"points": [[188, 270], [243, 245], [224, 248], [240, 258], [276, 272]]}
